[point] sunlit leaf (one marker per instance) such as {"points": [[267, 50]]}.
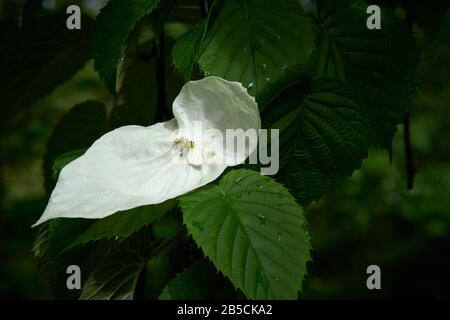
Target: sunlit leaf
{"points": [[253, 231], [262, 44]]}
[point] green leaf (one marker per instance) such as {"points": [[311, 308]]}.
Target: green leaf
{"points": [[381, 64], [114, 24], [61, 233], [323, 137], [185, 51], [40, 251], [78, 129], [262, 44], [194, 283], [60, 162], [116, 277], [138, 106], [253, 231], [37, 59], [123, 224]]}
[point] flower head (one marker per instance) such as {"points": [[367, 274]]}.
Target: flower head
{"points": [[134, 166]]}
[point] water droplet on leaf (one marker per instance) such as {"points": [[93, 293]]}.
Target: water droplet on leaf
{"points": [[262, 219]]}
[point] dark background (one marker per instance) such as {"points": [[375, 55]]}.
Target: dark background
{"points": [[371, 219]]}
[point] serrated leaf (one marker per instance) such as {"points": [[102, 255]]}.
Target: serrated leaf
{"points": [[78, 129], [114, 24], [194, 283], [185, 51], [123, 224], [323, 137], [262, 44], [253, 231], [116, 277], [37, 59], [61, 233], [381, 64]]}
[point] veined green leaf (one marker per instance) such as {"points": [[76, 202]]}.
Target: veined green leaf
{"points": [[113, 26], [253, 231], [123, 224], [116, 277], [325, 139], [185, 51], [61, 233], [261, 44], [381, 64]]}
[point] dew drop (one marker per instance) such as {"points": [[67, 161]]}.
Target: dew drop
{"points": [[275, 278], [268, 79], [262, 219], [260, 186], [264, 65]]}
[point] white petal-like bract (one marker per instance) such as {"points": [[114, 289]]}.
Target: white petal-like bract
{"points": [[134, 166]]}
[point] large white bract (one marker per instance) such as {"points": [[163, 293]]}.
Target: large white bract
{"points": [[134, 166]]}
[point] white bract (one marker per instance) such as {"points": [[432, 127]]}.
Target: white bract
{"points": [[134, 166]]}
